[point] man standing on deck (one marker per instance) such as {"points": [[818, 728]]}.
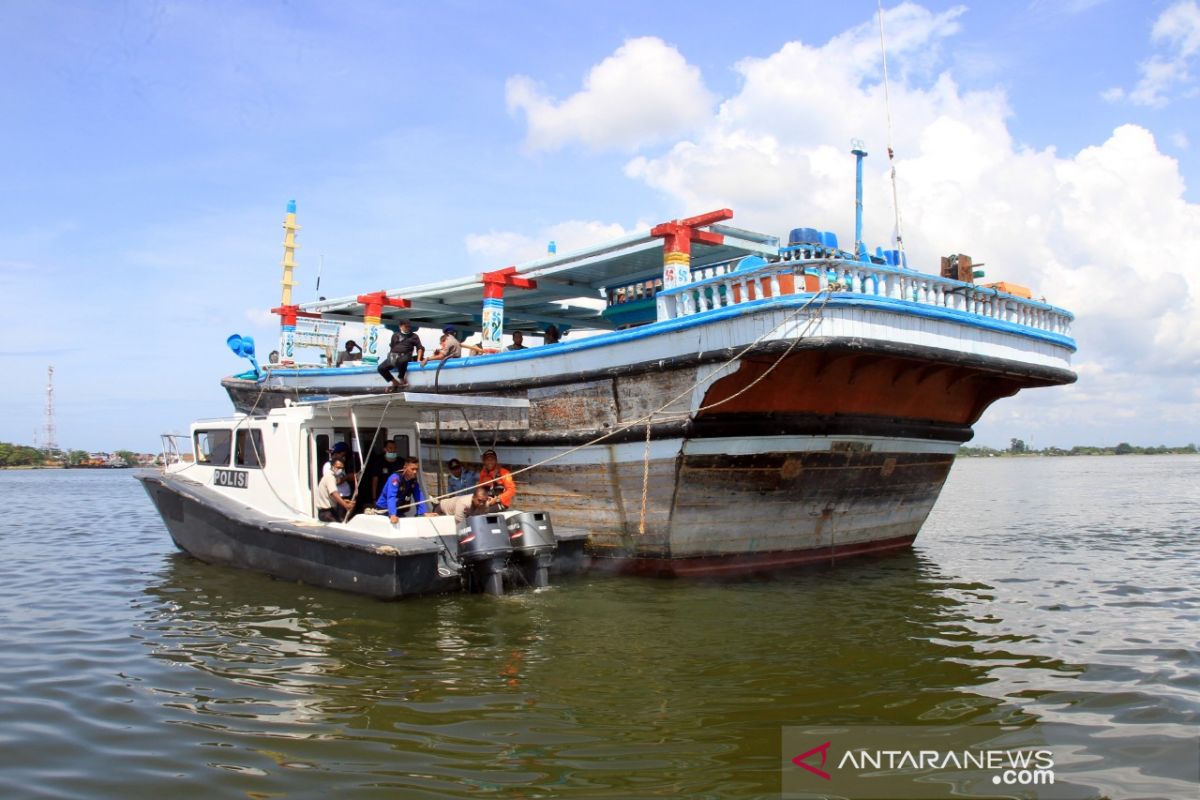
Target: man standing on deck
{"points": [[381, 469], [498, 481], [402, 495], [404, 343]]}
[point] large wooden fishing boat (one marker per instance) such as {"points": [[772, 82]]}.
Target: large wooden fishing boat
{"points": [[723, 403]]}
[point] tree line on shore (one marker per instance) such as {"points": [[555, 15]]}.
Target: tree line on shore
{"points": [[22, 455], [1017, 447]]}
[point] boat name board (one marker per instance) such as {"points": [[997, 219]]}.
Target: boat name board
{"points": [[235, 478]]}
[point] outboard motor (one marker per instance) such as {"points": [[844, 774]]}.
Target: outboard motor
{"points": [[533, 546], [483, 548]]}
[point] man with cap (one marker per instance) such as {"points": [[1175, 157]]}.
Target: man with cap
{"points": [[498, 480], [404, 343], [461, 485], [448, 346]]}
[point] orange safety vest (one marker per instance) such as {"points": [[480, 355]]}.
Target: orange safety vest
{"points": [[504, 489]]}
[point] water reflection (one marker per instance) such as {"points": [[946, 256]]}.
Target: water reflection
{"points": [[608, 684]]}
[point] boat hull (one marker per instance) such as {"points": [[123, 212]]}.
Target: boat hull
{"points": [[735, 442], [217, 531]]}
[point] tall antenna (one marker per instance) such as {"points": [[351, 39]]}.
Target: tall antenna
{"points": [[887, 100], [51, 443]]}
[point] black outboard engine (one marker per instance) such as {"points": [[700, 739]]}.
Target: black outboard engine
{"points": [[483, 548], [533, 546]]}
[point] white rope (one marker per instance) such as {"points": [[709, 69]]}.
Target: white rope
{"points": [[887, 102], [659, 412]]}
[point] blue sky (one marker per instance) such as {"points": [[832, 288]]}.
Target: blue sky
{"points": [[150, 149]]}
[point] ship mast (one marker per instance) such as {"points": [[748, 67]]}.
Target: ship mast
{"points": [[287, 311]]}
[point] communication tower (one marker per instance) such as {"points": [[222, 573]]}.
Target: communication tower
{"points": [[51, 443]]}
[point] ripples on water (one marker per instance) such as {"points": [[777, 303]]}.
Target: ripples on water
{"points": [[1049, 591]]}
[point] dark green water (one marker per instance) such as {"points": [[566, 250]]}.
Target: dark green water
{"points": [[1041, 591]]}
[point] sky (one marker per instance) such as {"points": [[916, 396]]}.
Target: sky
{"points": [[149, 151]]}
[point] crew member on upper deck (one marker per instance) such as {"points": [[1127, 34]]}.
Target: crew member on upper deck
{"points": [[404, 344], [353, 352], [498, 480], [448, 347]]}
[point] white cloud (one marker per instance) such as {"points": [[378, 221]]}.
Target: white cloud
{"points": [[499, 248], [1177, 33], [1106, 232], [643, 92]]}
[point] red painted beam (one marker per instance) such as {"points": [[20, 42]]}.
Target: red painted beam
{"points": [[494, 282], [375, 301], [678, 234], [288, 314]]}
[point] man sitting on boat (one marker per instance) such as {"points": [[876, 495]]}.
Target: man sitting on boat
{"points": [[380, 469], [402, 495], [353, 352], [460, 485], [404, 344], [448, 346], [331, 506], [498, 481]]}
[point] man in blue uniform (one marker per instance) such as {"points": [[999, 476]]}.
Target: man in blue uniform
{"points": [[402, 489]]}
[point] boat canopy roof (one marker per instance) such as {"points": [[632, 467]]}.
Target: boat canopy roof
{"points": [[570, 290]]}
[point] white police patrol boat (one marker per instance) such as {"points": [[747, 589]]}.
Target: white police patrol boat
{"points": [[248, 498]]}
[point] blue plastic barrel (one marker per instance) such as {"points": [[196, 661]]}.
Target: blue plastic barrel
{"points": [[803, 236]]}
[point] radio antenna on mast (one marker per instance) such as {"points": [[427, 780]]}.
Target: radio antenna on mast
{"points": [[887, 100]]}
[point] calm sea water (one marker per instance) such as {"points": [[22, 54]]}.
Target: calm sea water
{"points": [[1047, 591]]}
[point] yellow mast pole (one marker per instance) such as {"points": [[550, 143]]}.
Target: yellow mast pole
{"points": [[287, 311], [289, 252]]}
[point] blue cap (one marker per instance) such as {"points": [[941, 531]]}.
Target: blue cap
{"points": [[450, 329], [340, 447]]}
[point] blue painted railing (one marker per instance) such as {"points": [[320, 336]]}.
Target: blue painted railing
{"points": [[723, 285]]}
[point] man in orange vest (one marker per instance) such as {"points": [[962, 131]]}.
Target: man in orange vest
{"points": [[498, 481]]}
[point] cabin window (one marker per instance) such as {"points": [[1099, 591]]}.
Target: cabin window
{"points": [[213, 447], [250, 451], [402, 445]]}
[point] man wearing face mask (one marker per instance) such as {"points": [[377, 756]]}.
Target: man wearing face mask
{"points": [[381, 469], [331, 506]]}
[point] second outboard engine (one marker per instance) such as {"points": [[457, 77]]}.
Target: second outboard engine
{"points": [[483, 548], [533, 546]]}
